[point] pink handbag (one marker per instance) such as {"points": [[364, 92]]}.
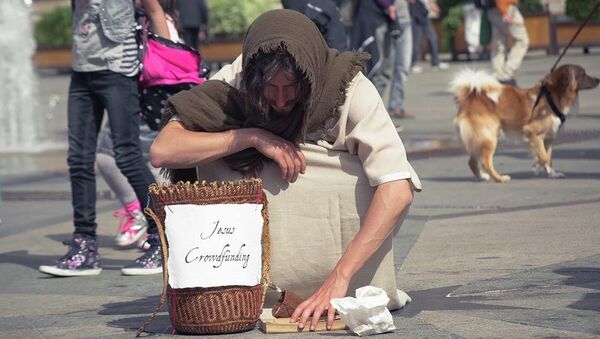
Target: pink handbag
{"points": [[165, 62]]}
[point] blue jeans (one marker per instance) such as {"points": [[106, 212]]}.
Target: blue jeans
{"points": [[403, 46], [417, 31], [90, 93], [381, 73]]}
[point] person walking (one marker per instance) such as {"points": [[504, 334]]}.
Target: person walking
{"points": [[193, 19], [507, 21], [326, 15], [105, 67], [472, 17], [421, 12], [403, 46], [370, 33], [133, 225]]}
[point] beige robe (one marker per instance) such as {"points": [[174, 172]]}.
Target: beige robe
{"points": [[314, 219]]}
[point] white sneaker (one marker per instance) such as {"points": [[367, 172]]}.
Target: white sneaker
{"points": [[416, 69], [440, 66], [150, 262], [82, 259]]}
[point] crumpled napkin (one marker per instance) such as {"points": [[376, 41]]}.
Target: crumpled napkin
{"points": [[367, 314]]}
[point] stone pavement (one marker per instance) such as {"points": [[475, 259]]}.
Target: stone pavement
{"points": [[479, 259]]}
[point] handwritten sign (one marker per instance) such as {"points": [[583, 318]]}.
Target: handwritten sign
{"points": [[214, 245]]}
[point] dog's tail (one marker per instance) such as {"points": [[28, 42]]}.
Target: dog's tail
{"points": [[470, 82]]}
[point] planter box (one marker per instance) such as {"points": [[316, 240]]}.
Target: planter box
{"points": [[53, 58], [563, 31], [215, 52], [545, 32], [220, 51]]}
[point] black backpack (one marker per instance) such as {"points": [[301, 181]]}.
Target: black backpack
{"points": [[485, 4]]}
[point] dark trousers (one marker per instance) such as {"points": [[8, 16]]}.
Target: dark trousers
{"points": [[190, 36], [418, 28], [90, 93]]}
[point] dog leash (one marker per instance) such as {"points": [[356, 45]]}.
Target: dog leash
{"points": [[543, 90], [585, 22]]}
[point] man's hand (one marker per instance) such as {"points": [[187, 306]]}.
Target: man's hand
{"points": [[391, 12], [286, 155], [507, 18], [201, 36], [319, 304], [434, 8]]}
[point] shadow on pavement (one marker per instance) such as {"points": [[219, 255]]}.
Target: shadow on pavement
{"points": [[104, 241], [142, 308], [452, 179], [440, 299], [23, 258], [33, 261], [584, 277], [496, 210], [568, 175], [577, 153], [521, 175], [161, 324], [585, 116], [442, 94]]}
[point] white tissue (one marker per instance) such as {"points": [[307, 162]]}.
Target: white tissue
{"points": [[367, 313], [403, 298]]}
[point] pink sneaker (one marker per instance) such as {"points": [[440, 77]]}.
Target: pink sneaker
{"points": [[132, 227]]}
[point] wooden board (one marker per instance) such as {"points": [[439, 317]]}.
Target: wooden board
{"points": [[269, 324]]}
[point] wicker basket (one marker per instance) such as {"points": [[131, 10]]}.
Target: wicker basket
{"points": [[214, 310]]}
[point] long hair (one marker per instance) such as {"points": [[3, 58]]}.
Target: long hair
{"points": [[260, 70], [168, 7]]}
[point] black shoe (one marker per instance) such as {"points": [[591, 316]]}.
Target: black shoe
{"points": [[150, 262], [82, 259], [402, 114]]}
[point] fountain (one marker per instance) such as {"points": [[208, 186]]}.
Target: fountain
{"points": [[22, 121]]}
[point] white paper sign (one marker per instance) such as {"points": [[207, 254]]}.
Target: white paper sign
{"points": [[214, 245]]}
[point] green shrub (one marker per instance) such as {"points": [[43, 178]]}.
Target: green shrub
{"points": [[450, 24], [232, 17], [530, 6], [445, 6], [580, 9], [54, 28]]}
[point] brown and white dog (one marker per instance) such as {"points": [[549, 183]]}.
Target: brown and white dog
{"points": [[486, 107]]}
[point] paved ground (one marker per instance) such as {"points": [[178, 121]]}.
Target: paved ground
{"points": [[479, 260]]}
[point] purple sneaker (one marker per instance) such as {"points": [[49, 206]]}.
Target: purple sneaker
{"points": [[82, 259], [150, 262]]}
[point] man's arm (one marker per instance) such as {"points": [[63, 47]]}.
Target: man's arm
{"points": [[176, 147], [389, 202], [503, 6], [389, 7], [371, 135]]}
